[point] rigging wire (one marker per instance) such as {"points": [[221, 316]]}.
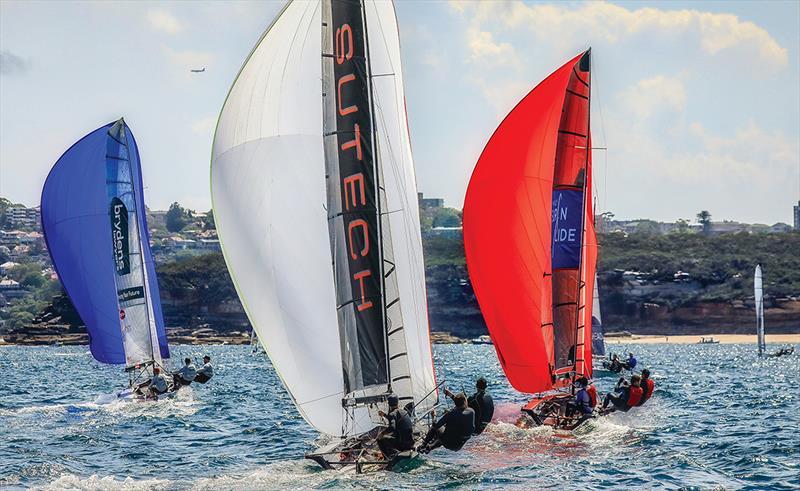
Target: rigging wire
{"points": [[603, 133]]}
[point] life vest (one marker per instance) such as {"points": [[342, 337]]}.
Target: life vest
{"points": [[650, 387], [634, 395], [592, 391]]}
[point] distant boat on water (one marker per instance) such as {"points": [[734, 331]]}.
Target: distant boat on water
{"points": [[758, 287], [485, 339], [598, 339]]}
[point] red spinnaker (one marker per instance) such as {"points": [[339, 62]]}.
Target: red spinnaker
{"points": [[532, 299]]}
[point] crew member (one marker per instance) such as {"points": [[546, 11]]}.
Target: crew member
{"points": [[630, 363], [648, 386], [482, 404], [453, 429], [185, 375], [616, 366], [206, 371], [399, 433], [158, 384], [625, 397], [584, 402]]}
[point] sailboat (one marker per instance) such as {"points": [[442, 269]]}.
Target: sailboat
{"points": [[760, 332], [530, 242], [93, 219], [759, 297], [598, 340], [315, 202]]}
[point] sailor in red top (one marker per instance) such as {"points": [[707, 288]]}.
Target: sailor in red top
{"points": [[625, 396], [648, 386]]}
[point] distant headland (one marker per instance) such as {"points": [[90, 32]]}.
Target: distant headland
{"points": [[655, 278]]}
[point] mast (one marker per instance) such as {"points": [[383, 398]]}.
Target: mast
{"points": [[579, 325], [354, 203], [131, 278], [378, 189]]}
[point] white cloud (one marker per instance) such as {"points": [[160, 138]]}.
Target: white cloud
{"points": [[652, 95], [565, 25], [485, 51], [162, 20]]}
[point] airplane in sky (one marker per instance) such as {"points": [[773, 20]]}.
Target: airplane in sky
{"points": [[198, 71]]}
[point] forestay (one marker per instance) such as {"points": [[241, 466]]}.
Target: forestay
{"points": [[318, 219], [96, 233]]}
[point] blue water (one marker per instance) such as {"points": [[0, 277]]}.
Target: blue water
{"points": [[720, 418]]}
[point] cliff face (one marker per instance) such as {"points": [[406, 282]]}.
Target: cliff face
{"points": [[638, 290]]}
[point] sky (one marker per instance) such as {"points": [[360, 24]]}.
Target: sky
{"points": [[697, 103]]}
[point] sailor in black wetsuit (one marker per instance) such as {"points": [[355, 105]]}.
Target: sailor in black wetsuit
{"points": [[453, 429], [482, 404], [399, 433]]}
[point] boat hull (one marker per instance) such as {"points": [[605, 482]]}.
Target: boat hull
{"points": [[360, 453], [554, 410]]}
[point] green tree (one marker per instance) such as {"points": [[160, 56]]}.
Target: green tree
{"points": [[4, 204], [29, 275], [704, 219], [176, 218], [647, 227], [681, 226], [446, 217], [207, 221]]}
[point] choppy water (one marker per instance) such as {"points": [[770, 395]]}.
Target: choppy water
{"points": [[720, 418]]}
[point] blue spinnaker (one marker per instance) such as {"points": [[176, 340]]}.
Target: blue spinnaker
{"points": [[77, 227]]}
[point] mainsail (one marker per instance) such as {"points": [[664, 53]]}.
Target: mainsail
{"points": [[759, 297], [529, 233], [315, 202], [94, 224]]}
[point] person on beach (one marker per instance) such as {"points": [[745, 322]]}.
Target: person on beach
{"points": [[453, 429], [624, 396], [399, 433], [185, 375], [482, 404], [206, 371], [648, 386]]}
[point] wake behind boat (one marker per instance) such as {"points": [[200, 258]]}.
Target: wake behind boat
{"points": [[94, 223], [315, 203], [530, 243]]}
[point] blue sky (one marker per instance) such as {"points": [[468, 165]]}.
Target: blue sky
{"points": [[700, 101]]}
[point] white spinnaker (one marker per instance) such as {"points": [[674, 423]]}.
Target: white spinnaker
{"points": [[759, 297], [399, 181], [269, 198]]}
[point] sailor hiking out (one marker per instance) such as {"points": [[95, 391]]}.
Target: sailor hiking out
{"points": [[625, 395], [453, 429], [205, 372], [482, 404], [185, 375]]}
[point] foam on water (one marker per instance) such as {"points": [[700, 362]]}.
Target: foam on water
{"points": [[712, 422]]}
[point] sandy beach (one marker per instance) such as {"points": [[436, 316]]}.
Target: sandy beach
{"points": [[722, 338]]}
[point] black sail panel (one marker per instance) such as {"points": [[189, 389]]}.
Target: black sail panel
{"points": [[353, 202]]}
